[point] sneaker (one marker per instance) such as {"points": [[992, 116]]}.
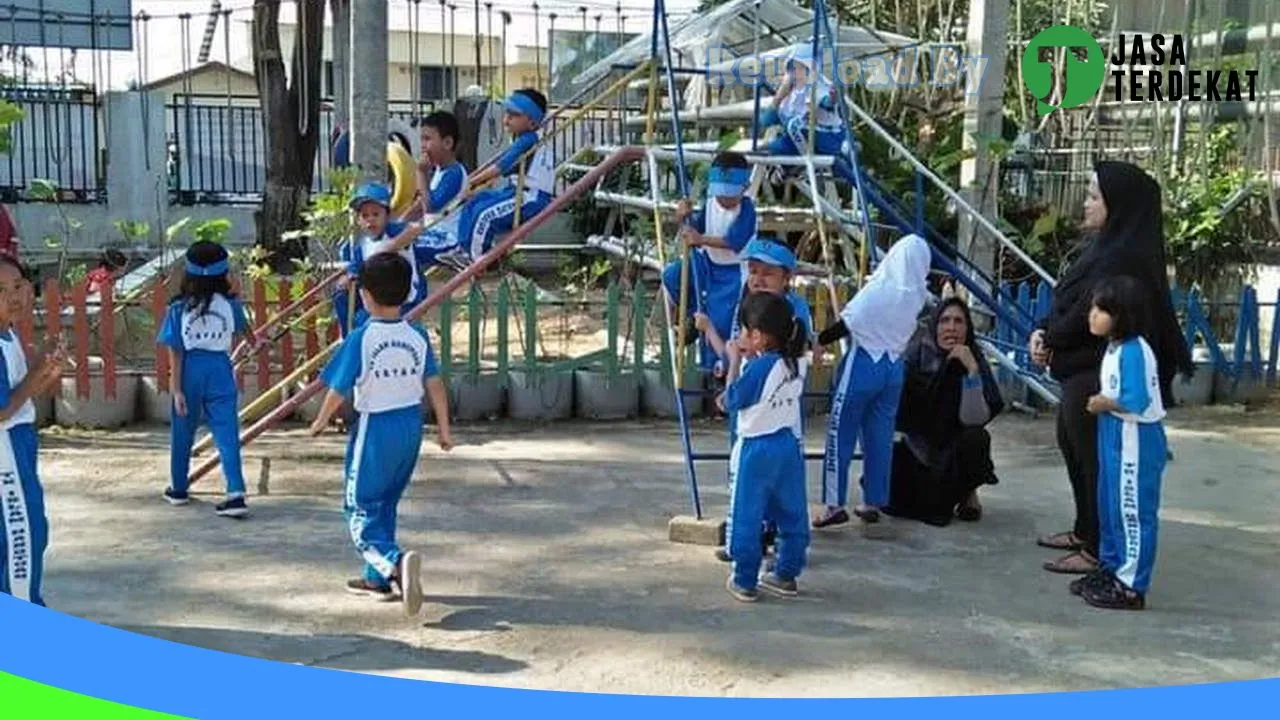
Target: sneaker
{"points": [[775, 585], [1093, 579], [364, 588], [232, 508], [173, 497], [410, 579], [741, 594], [1113, 595], [722, 554], [838, 516]]}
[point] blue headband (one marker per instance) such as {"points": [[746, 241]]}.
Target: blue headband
{"points": [[218, 268], [524, 105], [723, 181]]}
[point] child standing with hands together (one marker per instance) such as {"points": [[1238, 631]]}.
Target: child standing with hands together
{"points": [[766, 464], [25, 529], [1132, 451], [382, 364]]}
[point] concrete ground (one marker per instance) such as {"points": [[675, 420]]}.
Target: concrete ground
{"points": [[547, 566]]}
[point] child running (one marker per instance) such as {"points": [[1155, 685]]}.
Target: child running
{"points": [[1132, 451], [23, 522], [441, 178], [199, 330], [717, 232], [383, 364], [766, 464], [492, 212], [880, 319], [377, 234], [790, 110]]}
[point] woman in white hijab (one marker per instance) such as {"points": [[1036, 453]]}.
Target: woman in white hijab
{"points": [[879, 321]]}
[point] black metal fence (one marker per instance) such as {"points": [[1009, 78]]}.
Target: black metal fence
{"points": [[58, 139], [216, 149]]}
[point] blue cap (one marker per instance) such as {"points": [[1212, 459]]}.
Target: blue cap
{"points": [[372, 192], [770, 253]]}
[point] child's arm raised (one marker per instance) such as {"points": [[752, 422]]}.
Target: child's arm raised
{"points": [[406, 236]]}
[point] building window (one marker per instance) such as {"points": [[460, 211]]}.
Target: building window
{"points": [[435, 83], [327, 89]]}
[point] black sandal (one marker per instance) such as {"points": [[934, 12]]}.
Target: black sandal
{"points": [[1113, 595], [1064, 565]]}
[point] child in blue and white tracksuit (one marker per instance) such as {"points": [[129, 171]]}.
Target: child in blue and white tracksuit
{"points": [[879, 321], [766, 464], [717, 232], [377, 234], [199, 330], [492, 212], [382, 366], [1132, 452], [790, 111], [24, 526], [769, 267]]}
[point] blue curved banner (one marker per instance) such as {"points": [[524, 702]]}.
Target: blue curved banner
{"points": [[96, 661]]}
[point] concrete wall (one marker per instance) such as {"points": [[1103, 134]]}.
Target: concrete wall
{"points": [[137, 187]]}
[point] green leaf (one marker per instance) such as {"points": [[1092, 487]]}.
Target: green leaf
{"points": [[175, 229], [41, 189]]}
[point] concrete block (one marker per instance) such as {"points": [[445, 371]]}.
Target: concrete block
{"points": [[1196, 391], [692, 531], [1233, 390], [44, 410], [475, 397], [98, 411], [598, 397], [540, 395], [154, 402]]}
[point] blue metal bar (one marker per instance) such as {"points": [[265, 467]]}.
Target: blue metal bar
{"points": [[721, 456], [660, 26], [1274, 354]]}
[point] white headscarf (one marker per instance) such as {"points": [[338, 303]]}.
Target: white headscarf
{"points": [[884, 315]]}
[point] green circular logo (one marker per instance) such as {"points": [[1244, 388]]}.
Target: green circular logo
{"points": [[1082, 77]]}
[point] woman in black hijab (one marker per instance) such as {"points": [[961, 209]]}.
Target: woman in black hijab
{"points": [[948, 396], [1123, 212]]}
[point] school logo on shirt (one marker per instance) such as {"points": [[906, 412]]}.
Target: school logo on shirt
{"points": [[394, 359], [1113, 382], [207, 326]]}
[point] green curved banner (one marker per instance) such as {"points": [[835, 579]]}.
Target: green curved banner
{"points": [[26, 699]]}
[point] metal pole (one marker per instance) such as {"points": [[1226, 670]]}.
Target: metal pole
{"points": [[368, 104], [453, 47], [537, 43], [488, 41], [476, 7]]}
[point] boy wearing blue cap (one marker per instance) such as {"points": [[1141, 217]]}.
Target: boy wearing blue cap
{"points": [[770, 266], [717, 233], [377, 234], [492, 212], [790, 111]]}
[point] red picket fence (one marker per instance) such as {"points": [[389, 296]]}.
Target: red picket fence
{"points": [[94, 322]]}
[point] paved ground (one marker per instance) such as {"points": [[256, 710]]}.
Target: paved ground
{"points": [[548, 567]]}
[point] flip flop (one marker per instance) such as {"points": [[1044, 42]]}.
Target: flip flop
{"points": [[1060, 541], [1065, 564]]}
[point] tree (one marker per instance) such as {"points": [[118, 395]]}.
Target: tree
{"points": [[291, 125]]}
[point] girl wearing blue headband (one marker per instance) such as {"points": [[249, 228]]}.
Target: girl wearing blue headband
{"points": [[717, 232], [199, 330], [492, 212], [790, 111]]}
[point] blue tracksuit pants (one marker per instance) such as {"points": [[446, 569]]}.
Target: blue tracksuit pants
{"points": [[794, 140], [1131, 460], [720, 287], [767, 481], [210, 386], [864, 406], [491, 213], [381, 456], [25, 527]]}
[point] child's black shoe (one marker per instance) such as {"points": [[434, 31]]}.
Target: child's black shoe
{"points": [[741, 594], [173, 497], [364, 588], [232, 507], [1093, 579], [1113, 595]]}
